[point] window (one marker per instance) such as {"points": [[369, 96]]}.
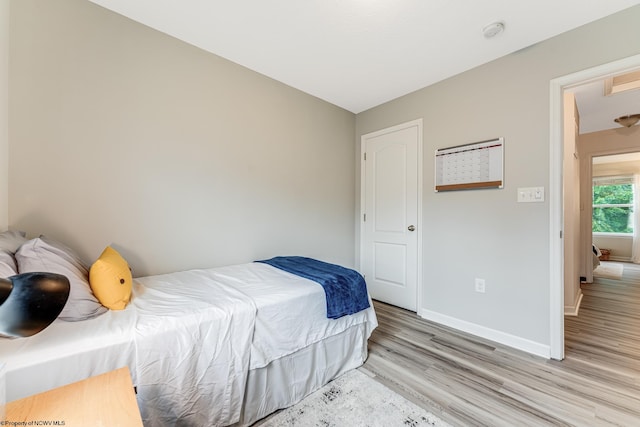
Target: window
{"points": [[613, 205]]}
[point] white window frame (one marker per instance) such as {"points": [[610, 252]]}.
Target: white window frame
{"points": [[613, 180]]}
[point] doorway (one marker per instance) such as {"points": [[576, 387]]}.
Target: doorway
{"points": [[556, 201], [614, 210]]}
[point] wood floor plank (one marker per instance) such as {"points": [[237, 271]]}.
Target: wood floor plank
{"points": [[470, 381]]}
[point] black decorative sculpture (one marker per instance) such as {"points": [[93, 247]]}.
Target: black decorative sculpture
{"points": [[29, 302]]}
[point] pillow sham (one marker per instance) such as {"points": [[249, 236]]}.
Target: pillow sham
{"points": [[110, 279], [8, 265], [46, 255], [11, 240]]}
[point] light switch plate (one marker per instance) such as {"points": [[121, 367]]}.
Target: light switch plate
{"points": [[530, 194]]}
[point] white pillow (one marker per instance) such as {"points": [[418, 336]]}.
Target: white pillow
{"points": [[8, 265], [49, 256], [11, 240]]}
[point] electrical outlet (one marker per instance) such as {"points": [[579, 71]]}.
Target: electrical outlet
{"points": [[480, 285]]}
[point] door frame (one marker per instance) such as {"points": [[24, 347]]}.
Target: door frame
{"points": [[413, 123], [556, 251]]}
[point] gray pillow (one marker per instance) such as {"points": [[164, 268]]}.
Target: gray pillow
{"points": [[8, 265], [45, 255], [11, 240]]}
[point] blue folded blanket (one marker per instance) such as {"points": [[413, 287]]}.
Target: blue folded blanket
{"points": [[345, 289]]}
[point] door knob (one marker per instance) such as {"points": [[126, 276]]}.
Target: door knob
{"points": [[411, 228]]}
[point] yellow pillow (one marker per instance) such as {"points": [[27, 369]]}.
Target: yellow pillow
{"points": [[110, 280]]}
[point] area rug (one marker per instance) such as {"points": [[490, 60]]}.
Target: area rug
{"points": [[609, 270], [354, 399]]}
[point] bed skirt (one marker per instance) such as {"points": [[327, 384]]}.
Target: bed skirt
{"points": [[286, 381]]}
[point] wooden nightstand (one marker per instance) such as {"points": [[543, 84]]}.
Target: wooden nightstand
{"points": [[106, 399]]}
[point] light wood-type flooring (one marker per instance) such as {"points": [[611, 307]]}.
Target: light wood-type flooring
{"points": [[469, 381]]}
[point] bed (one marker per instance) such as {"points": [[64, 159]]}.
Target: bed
{"points": [[222, 346]]}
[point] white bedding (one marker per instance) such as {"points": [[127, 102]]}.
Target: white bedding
{"points": [[184, 336], [280, 331], [189, 339], [192, 336]]}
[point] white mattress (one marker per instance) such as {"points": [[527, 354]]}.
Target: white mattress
{"points": [[189, 339]]}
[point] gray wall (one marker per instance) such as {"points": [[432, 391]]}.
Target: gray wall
{"points": [[122, 135], [485, 233]]}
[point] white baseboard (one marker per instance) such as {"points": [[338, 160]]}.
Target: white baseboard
{"points": [[573, 311], [488, 333]]}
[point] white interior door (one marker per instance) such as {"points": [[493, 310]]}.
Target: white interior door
{"points": [[571, 211], [390, 213]]}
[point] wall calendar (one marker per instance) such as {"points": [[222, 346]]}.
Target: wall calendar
{"points": [[470, 166]]}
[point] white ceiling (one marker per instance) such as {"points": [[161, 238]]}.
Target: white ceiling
{"points": [[597, 111], [361, 53]]}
